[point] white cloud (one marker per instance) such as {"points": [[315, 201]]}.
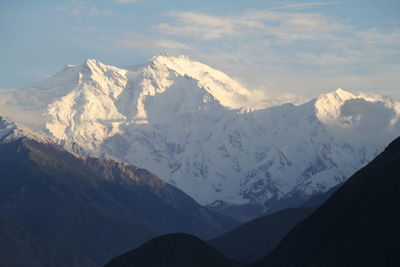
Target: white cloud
{"points": [[140, 41], [127, 1], [273, 51], [154, 43], [282, 25], [99, 12], [300, 38], [304, 5], [71, 10], [78, 8], [198, 25], [30, 118]]}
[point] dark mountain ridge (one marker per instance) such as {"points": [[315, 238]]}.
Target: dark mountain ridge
{"points": [[252, 240], [357, 226], [89, 210], [173, 250], [18, 248]]}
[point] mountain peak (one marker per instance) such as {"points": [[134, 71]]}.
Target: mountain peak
{"points": [[166, 56], [47, 186], [10, 131], [6, 128], [183, 120], [228, 92], [340, 90], [328, 106], [338, 95], [94, 65], [342, 93], [360, 214], [91, 62]]}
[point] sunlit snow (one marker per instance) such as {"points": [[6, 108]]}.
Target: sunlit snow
{"points": [[200, 130]]}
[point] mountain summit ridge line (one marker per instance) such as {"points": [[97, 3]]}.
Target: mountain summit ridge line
{"points": [[201, 131]]}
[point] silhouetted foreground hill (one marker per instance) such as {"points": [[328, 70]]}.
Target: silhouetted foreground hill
{"points": [[358, 226], [90, 210], [173, 250], [254, 239]]}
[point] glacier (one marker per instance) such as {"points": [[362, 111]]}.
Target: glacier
{"points": [[203, 132]]}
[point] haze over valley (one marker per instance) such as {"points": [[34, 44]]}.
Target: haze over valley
{"points": [[199, 133]]}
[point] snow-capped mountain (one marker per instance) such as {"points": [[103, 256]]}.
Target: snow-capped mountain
{"points": [[203, 132], [10, 131], [86, 210]]}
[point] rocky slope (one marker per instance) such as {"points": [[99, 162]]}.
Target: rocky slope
{"points": [[254, 239], [357, 226], [87, 210], [203, 132], [18, 248]]}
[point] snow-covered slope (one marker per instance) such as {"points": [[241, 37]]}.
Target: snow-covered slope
{"points": [[200, 130], [10, 131]]}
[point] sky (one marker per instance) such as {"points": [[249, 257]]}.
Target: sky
{"points": [[287, 49]]}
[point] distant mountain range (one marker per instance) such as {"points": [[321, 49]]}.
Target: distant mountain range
{"points": [[256, 238], [357, 226], [63, 209], [204, 133]]}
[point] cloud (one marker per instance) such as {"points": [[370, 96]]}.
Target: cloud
{"points": [[375, 36], [99, 12], [291, 51], [127, 1], [136, 40], [373, 118], [198, 25], [295, 51], [157, 43], [354, 107], [283, 25], [304, 5], [78, 8], [31, 118]]}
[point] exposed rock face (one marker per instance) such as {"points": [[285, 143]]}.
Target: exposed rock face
{"points": [[357, 226], [203, 132], [88, 210]]}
